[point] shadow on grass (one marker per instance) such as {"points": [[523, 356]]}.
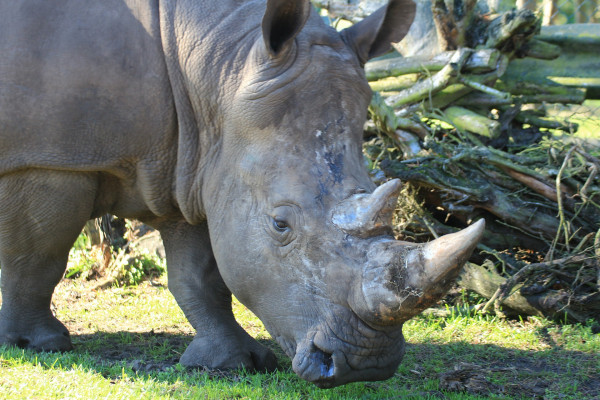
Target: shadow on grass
{"points": [[476, 369], [490, 369], [153, 351]]}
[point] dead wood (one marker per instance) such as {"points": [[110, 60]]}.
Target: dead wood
{"points": [[480, 61], [452, 19], [482, 149]]}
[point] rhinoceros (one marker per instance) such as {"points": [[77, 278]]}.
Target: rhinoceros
{"points": [[234, 128]]}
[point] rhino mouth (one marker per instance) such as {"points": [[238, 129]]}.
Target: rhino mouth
{"points": [[327, 359]]}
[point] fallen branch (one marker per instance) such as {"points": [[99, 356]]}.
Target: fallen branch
{"points": [[429, 86], [539, 49], [394, 83], [451, 21], [387, 121], [468, 120], [480, 61], [505, 288], [512, 30]]}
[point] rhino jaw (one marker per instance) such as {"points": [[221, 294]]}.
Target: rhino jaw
{"points": [[402, 279]]}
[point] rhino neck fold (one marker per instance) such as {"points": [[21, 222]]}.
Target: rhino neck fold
{"points": [[200, 68]]}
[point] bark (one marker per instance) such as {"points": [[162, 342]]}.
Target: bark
{"points": [[462, 174], [468, 120], [511, 30], [452, 20], [527, 93], [480, 61], [393, 83], [532, 119], [423, 89], [539, 49], [550, 303], [486, 282], [474, 190]]}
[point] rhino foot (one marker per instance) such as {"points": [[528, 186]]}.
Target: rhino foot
{"points": [[48, 334], [228, 352]]}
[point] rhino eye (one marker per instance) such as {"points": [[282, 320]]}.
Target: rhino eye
{"points": [[280, 226]]}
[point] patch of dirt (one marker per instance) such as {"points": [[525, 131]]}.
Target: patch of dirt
{"points": [[467, 377], [496, 371]]}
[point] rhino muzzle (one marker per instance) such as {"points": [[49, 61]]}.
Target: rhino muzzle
{"points": [[400, 279], [331, 355]]}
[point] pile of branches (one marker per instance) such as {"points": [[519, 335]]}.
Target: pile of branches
{"points": [[470, 141]]}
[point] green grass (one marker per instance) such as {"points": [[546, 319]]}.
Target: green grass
{"points": [[127, 342]]}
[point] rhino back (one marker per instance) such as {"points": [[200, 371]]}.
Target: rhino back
{"points": [[83, 86]]}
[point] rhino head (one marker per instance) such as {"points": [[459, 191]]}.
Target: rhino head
{"points": [[301, 234]]}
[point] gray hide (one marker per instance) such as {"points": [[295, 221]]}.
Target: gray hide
{"points": [[234, 128]]}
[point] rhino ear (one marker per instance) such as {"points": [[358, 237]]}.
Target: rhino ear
{"points": [[373, 36], [282, 21]]}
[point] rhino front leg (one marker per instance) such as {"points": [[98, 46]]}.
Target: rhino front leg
{"points": [[194, 280], [41, 214]]}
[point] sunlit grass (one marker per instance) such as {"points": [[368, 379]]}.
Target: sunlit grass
{"points": [[127, 342]]}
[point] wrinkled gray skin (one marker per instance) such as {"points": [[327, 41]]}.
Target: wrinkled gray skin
{"points": [[235, 129]]}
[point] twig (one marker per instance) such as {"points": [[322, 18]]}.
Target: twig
{"points": [[540, 187], [429, 227], [583, 242], [588, 156], [588, 182], [483, 88], [561, 213], [597, 244], [597, 253]]}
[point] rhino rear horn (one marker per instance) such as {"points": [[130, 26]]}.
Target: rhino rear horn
{"points": [[373, 36], [282, 21], [368, 215]]}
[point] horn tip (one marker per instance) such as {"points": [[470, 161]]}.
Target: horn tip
{"points": [[477, 228]]}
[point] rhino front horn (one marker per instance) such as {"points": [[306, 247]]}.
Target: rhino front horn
{"points": [[402, 279]]}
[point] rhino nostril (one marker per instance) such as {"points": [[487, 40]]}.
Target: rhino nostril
{"points": [[325, 361]]}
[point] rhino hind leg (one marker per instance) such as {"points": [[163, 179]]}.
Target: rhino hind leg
{"points": [[194, 280], [41, 215]]}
